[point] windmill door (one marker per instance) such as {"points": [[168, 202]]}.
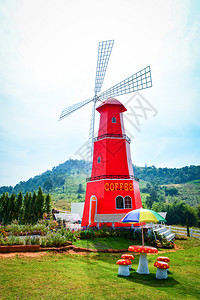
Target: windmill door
{"points": [[93, 209]]}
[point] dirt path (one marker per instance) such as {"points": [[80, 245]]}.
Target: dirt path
{"points": [[23, 254], [41, 253]]}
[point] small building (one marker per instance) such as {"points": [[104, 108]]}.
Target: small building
{"points": [[67, 217], [77, 208]]}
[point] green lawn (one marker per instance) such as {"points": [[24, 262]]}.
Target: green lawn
{"points": [[94, 276], [105, 243]]}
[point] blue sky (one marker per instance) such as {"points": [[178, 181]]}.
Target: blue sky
{"points": [[48, 52]]}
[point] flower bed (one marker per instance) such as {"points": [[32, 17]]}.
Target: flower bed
{"points": [[40, 228], [45, 233]]}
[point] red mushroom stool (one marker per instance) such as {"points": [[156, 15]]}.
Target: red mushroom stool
{"points": [[128, 256], [143, 262], [164, 258], [162, 267], [124, 267]]}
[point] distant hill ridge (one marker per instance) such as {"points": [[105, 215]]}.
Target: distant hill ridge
{"points": [[56, 178]]}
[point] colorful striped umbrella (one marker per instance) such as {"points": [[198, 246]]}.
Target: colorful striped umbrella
{"points": [[142, 215]]}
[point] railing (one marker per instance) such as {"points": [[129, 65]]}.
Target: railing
{"points": [[108, 218], [183, 231], [112, 135], [112, 177]]}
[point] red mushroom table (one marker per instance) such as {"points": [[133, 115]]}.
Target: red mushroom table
{"points": [[143, 262]]}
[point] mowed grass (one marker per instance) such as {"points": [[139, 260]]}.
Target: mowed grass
{"points": [[94, 276], [105, 243]]}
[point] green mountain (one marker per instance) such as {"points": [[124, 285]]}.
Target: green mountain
{"points": [[66, 183], [168, 175]]}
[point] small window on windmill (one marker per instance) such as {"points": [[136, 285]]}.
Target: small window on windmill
{"points": [[127, 202], [114, 120], [119, 202], [99, 159]]}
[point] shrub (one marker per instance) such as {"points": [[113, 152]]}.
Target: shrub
{"points": [[83, 234], [161, 241], [2, 241], [27, 240], [35, 240], [71, 235], [107, 231], [14, 240], [43, 242], [54, 240], [87, 234], [2, 231], [126, 233]]}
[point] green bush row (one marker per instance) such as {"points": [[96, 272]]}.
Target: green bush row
{"points": [[40, 228], [52, 239], [108, 231]]}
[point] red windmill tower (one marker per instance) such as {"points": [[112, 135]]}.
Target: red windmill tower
{"points": [[112, 189]]}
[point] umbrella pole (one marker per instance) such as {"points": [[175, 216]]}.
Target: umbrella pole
{"points": [[142, 236]]}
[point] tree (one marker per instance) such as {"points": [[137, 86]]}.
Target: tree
{"points": [[178, 212], [40, 204], [19, 202], [11, 208], [153, 196], [149, 202], [27, 207], [2, 201], [191, 215], [48, 185], [171, 191], [33, 215], [158, 206], [198, 215], [80, 189], [6, 209], [48, 204]]}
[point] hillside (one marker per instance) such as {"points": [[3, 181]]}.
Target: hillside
{"points": [[51, 180], [168, 175], [66, 183], [188, 192]]}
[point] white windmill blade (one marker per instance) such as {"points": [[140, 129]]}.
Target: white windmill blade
{"points": [[91, 135], [138, 81], [104, 51], [67, 111]]}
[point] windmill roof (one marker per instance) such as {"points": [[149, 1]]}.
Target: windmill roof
{"points": [[111, 102]]}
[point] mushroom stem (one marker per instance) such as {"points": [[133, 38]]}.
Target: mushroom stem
{"points": [[143, 264], [161, 273], [124, 270]]}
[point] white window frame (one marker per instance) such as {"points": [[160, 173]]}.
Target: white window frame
{"points": [[123, 202]]}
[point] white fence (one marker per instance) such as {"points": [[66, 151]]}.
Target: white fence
{"points": [[183, 231]]}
